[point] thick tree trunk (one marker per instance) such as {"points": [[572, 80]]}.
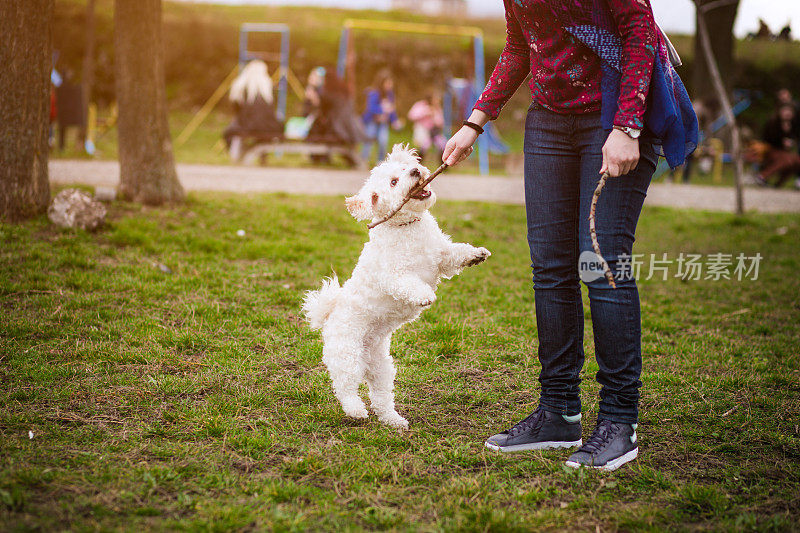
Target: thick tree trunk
{"points": [[26, 59], [147, 166], [719, 21]]}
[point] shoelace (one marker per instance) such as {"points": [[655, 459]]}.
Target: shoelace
{"points": [[602, 435], [532, 421]]}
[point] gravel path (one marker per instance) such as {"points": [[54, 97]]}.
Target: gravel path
{"points": [[450, 187]]}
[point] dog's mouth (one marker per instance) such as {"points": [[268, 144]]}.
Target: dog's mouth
{"points": [[423, 194]]}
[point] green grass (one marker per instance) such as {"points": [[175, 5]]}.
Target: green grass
{"points": [[196, 399]]}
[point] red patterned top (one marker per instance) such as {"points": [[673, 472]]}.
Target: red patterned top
{"points": [[565, 73]]}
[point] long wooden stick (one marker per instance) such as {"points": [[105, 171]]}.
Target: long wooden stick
{"points": [[593, 231], [415, 189]]}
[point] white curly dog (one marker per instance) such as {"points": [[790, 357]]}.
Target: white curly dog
{"points": [[393, 282]]}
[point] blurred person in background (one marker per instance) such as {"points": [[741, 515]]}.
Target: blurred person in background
{"points": [[784, 96], [779, 155], [785, 34], [705, 116], [763, 31], [313, 92], [428, 119], [252, 98], [782, 131], [53, 112], [380, 115], [337, 120]]}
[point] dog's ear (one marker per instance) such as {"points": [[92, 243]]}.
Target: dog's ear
{"points": [[357, 207]]}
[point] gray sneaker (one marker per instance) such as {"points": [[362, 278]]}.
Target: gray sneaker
{"points": [[611, 445], [541, 430]]}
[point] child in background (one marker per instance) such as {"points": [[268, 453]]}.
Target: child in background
{"points": [[428, 119], [380, 115]]}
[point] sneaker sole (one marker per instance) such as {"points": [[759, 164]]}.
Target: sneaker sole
{"points": [[611, 465], [550, 445]]}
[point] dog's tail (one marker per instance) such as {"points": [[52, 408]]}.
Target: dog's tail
{"points": [[317, 305]]}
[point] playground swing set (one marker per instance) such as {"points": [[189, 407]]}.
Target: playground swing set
{"points": [[459, 94], [285, 78], [282, 75]]}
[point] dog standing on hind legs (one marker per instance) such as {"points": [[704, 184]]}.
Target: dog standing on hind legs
{"points": [[394, 280]]}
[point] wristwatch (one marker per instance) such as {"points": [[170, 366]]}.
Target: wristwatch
{"points": [[633, 133]]}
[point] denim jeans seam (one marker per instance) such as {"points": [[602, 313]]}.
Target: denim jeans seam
{"points": [[579, 333]]}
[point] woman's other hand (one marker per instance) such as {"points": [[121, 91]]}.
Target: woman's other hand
{"points": [[459, 147], [620, 154]]}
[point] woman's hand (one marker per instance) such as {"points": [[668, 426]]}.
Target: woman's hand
{"points": [[459, 147], [620, 154]]}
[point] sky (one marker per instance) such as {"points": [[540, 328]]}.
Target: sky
{"points": [[672, 15]]}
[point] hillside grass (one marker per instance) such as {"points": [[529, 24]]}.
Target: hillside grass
{"points": [[137, 399]]}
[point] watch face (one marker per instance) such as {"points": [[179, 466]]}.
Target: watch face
{"points": [[634, 134]]}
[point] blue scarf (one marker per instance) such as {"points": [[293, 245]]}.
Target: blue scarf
{"points": [[670, 117]]}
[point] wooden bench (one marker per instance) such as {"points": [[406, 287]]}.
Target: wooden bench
{"points": [[313, 146]]}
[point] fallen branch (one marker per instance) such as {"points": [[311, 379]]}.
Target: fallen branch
{"points": [[593, 230], [415, 189]]}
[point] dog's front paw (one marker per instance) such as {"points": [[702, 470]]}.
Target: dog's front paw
{"points": [[426, 301], [481, 255]]}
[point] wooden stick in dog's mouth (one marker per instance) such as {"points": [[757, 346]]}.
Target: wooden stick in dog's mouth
{"points": [[417, 192]]}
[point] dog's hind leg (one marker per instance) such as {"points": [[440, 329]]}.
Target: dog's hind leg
{"points": [[380, 378], [344, 358]]}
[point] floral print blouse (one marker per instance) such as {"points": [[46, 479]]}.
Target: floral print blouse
{"points": [[565, 74]]}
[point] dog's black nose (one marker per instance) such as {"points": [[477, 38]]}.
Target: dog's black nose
{"points": [[414, 173]]}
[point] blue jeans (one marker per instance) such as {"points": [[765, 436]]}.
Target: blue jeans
{"points": [[563, 156], [376, 131]]}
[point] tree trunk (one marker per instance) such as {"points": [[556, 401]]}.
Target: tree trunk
{"points": [[87, 77], [719, 21], [722, 94], [147, 167], [26, 56]]}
